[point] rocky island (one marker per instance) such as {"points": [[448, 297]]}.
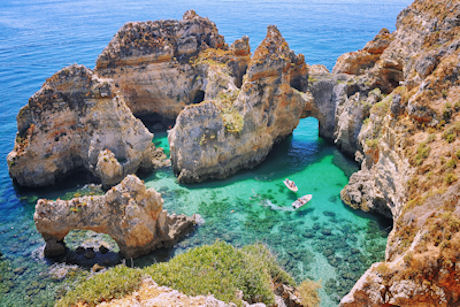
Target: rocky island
{"points": [[393, 106]]}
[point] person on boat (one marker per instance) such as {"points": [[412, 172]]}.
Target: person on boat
{"points": [[290, 183]]}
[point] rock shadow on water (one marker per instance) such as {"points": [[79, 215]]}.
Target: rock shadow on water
{"points": [[346, 164], [87, 258], [285, 159], [70, 182]]}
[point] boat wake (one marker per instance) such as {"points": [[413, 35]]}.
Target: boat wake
{"points": [[267, 203]]}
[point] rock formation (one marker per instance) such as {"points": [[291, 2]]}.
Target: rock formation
{"points": [[131, 214], [410, 154], [76, 121], [155, 65], [237, 129], [151, 294], [151, 69]]}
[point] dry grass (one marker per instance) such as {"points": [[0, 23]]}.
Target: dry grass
{"points": [[308, 292]]}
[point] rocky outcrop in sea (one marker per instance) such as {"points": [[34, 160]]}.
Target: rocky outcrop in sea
{"points": [[76, 122], [131, 214], [237, 128], [153, 65]]}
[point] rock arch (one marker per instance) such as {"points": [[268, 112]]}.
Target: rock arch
{"points": [[131, 214]]}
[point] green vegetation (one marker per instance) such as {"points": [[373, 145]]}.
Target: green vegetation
{"points": [[444, 93], [450, 178], [114, 283], [423, 151], [223, 270], [447, 113], [449, 137], [382, 107], [451, 134], [232, 119], [308, 291], [457, 106], [203, 140], [451, 163], [372, 143], [219, 269], [431, 138]]}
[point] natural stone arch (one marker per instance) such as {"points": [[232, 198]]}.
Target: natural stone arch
{"points": [[129, 213]]}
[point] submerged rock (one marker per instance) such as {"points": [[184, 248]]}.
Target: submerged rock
{"points": [[131, 214]]}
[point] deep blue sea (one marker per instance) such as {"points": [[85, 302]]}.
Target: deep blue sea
{"points": [[325, 240]]}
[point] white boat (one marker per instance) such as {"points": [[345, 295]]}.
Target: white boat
{"points": [[290, 185], [302, 201]]}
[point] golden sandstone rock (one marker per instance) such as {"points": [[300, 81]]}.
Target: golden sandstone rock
{"points": [[68, 123], [131, 214]]}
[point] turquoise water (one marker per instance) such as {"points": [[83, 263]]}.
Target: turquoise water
{"points": [[322, 240]]}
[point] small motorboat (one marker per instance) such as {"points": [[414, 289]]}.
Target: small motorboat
{"points": [[302, 201], [291, 185]]}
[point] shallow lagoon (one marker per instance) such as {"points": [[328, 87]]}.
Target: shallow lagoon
{"points": [[324, 240], [38, 37]]}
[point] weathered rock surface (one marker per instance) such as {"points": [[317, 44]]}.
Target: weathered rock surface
{"points": [[410, 154], [150, 294], [155, 64], [237, 129], [82, 120], [77, 122], [131, 214], [356, 63]]}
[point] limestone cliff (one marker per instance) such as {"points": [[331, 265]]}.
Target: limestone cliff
{"points": [[410, 154], [154, 64], [237, 129], [131, 214], [83, 120], [76, 121]]}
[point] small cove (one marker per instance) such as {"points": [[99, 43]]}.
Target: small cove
{"points": [[323, 240]]}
